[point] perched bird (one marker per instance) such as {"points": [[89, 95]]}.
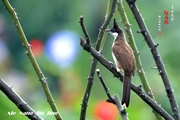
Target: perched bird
{"points": [[124, 59]]}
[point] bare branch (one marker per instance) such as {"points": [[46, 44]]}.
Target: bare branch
{"points": [[81, 21], [18, 101], [157, 58], [105, 87], [115, 99], [122, 109]]}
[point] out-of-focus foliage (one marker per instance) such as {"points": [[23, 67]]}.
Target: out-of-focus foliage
{"points": [[41, 19]]}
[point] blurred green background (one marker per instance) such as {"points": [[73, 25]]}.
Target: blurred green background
{"points": [[66, 67]]}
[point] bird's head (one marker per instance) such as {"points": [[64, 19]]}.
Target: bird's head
{"points": [[115, 31]]}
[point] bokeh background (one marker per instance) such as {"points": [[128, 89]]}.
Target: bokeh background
{"points": [[53, 30]]}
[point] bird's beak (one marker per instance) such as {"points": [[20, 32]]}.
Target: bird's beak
{"points": [[107, 30]]}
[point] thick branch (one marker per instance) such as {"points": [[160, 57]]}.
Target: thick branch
{"points": [[32, 59], [18, 101], [136, 89], [157, 58]]}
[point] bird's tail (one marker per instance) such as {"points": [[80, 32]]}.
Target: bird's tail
{"points": [[126, 90]]}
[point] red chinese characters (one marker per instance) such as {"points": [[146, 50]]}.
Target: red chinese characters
{"points": [[166, 17]]}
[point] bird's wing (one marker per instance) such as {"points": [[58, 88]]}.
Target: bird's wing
{"points": [[124, 58]]}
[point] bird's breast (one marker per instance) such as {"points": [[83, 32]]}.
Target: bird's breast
{"points": [[118, 67]]}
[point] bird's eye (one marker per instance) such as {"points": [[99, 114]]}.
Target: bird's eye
{"points": [[112, 30]]}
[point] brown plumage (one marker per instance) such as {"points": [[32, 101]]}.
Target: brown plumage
{"points": [[124, 59]]}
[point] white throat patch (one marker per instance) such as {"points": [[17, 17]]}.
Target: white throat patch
{"points": [[114, 34]]}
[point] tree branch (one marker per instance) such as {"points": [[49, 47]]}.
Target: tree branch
{"points": [[99, 42], [121, 109], [138, 90], [105, 87], [32, 59], [115, 99], [81, 21], [153, 47], [18, 101]]}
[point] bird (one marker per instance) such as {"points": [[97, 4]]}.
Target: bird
{"points": [[124, 59]]}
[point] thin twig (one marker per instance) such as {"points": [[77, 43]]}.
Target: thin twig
{"points": [[157, 58], [102, 35], [90, 79], [81, 21], [99, 42], [105, 87], [138, 90], [32, 59], [139, 66], [18, 101], [115, 99]]}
